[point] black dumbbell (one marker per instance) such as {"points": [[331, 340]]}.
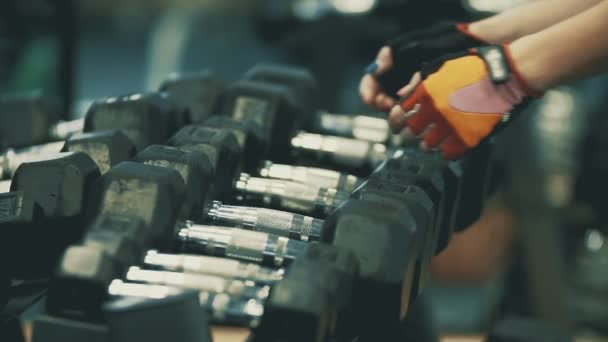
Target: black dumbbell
{"points": [[383, 237], [221, 149], [194, 168], [129, 196], [146, 118], [440, 179], [128, 319], [274, 108], [26, 119], [422, 209], [306, 87], [249, 136], [46, 210], [335, 269], [107, 148], [197, 91]]}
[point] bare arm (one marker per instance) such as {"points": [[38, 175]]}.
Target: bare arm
{"points": [[568, 51], [527, 19]]}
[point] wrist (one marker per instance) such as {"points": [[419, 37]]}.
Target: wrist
{"points": [[531, 66], [493, 31]]}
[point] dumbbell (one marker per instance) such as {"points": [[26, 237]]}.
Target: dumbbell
{"points": [[27, 119], [272, 107], [440, 179], [128, 319], [107, 148], [335, 269], [423, 211], [145, 118], [249, 136], [135, 202], [386, 241], [221, 149], [306, 87], [46, 210], [198, 91]]}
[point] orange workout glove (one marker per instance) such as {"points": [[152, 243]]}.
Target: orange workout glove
{"points": [[465, 96]]}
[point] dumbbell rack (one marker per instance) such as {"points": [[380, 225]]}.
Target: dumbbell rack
{"points": [[245, 89]]}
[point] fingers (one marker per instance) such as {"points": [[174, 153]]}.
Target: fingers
{"points": [[383, 102], [426, 113], [398, 117], [368, 89], [384, 60], [435, 136], [407, 90]]}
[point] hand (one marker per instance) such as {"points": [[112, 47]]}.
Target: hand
{"points": [[408, 51], [461, 100]]}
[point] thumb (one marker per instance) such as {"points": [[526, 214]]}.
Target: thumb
{"points": [[384, 59], [407, 90], [383, 62]]}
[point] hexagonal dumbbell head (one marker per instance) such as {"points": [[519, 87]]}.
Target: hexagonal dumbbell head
{"points": [[194, 168], [429, 175], [151, 193], [383, 238], [59, 183], [197, 91], [25, 119], [184, 319], [272, 107], [248, 134], [297, 310], [422, 210], [80, 282], [221, 148], [337, 270], [107, 148], [302, 82], [59, 186], [146, 119]]}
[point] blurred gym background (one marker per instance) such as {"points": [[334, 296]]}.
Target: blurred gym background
{"points": [[79, 50]]}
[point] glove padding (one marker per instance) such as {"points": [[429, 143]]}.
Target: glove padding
{"points": [[411, 49], [465, 98]]}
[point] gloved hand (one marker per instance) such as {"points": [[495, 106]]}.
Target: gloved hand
{"points": [[464, 97], [403, 55]]}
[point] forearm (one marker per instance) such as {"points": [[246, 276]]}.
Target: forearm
{"points": [[568, 51], [527, 19]]}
